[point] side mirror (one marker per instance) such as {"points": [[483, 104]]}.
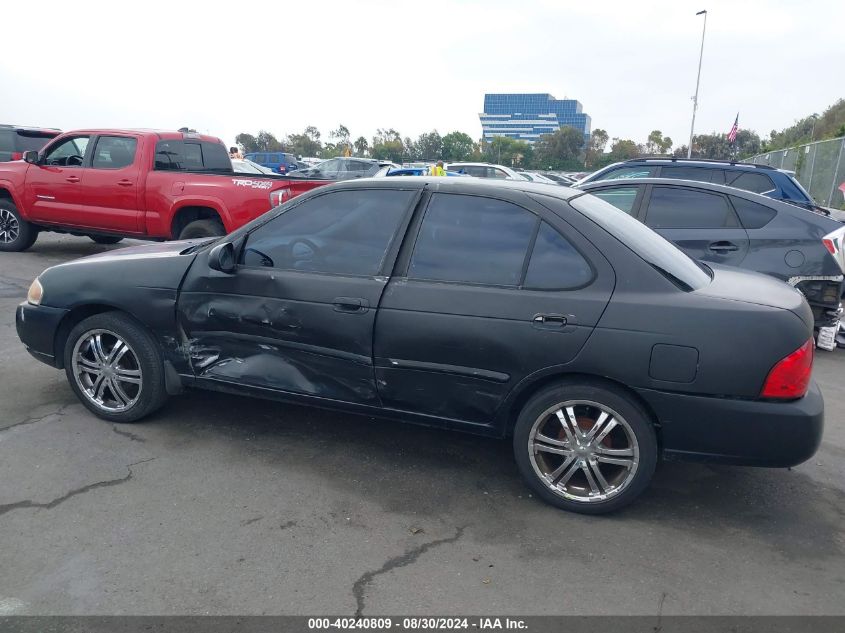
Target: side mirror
{"points": [[31, 157], [222, 258]]}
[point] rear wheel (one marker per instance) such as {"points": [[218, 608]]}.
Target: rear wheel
{"points": [[202, 228], [106, 239], [585, 447], [115, 367], [16, 234]]}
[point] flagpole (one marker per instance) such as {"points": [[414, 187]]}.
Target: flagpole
{"points": [[697, 81]]}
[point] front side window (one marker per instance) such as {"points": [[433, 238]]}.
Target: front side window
{"points": [[495, 172], [343, 232], [643, 171], [622, 198], [675, 208], [69, 153], [471, 239], [114, 152], [555, 263]]}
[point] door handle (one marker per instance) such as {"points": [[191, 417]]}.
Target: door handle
{"points": [[549, 320], [350, 304], [723, 247], [72, 178], [125, 183]]}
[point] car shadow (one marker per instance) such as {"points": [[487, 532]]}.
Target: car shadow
{"points": [[430, 472]]}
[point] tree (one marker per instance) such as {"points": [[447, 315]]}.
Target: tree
{"points": [[247, 142], [508, 151], [268, 143], [429, 146], [716, 146], [361, 146], [595, 147], [341, 138], [561, 149], [305, 144], [624, 149], [657, 143], [410, 149], [456, 146], [387, 145]]}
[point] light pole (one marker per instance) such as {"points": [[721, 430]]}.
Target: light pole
{"points": [[815, 118], [697, 80]]}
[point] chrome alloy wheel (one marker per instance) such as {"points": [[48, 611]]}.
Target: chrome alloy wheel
{"points": [[9, 227], [107, 371], [583, 451]]}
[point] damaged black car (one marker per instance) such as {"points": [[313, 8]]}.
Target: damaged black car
{"points": [[515, 310]]}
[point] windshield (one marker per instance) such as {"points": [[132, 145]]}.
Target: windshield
{"points": [[653, 248]]}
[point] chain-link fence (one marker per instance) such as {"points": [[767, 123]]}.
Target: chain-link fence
{"points": [[819, 167]]}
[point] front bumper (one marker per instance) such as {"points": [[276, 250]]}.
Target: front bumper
{"points": [[746, 432], [37, 327]]}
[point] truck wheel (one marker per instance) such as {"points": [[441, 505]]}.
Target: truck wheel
{"points": [[106, 239], [115, 367], [16, 234], [202, 228], [585, 447]]}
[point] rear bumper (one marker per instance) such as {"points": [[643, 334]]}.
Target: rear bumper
{"points": [[746, 432], [37, 327]]}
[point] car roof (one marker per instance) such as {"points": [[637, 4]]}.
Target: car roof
{"points": [[774, 203], [463, 185], [168, 135], [697, 162]]}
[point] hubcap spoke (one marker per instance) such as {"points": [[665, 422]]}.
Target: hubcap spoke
{"points": [[132, 376], [116, 352], [594, 488], [608, 427], [602, 482], [571, 434], [97, 349], [99, 387], [560, 477], [617, 461], [119, 394], [103, 365]]}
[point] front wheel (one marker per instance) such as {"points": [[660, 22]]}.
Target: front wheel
{"points": [[16, 234], [202, 228], [115, 367], [585, 447]]}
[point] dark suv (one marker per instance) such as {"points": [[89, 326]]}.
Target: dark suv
{"points": [[763, 179], [724, 225], [15, 140]]}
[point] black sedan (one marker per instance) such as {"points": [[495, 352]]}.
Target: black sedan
{"points": [[516, 309]]}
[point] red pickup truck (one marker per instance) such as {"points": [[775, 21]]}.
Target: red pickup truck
{"points": [[111, 184]]}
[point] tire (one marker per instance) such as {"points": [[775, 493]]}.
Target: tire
{"points": [[138, 372], [202, 228], [16, 234], [106, 239], [562, 476]]}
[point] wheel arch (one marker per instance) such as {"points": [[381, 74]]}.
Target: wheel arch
{"points": [[6, 193], [191, 211], [521, 394], [71, 319]]}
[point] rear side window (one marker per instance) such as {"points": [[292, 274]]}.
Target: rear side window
{"points": [[193, 156], [471, 239], [643, 171], [555, 264], [215, 157], [114, 152], [170, 155], [622, 198], [676, 208], [749, 181], [751, 214]]}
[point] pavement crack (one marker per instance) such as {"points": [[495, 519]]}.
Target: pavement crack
{"points": [[28, 503], [131, 436], [409, 557], [59, 412], [659, 626]]}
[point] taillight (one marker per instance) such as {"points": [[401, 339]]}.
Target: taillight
{"points": [[17, 155], [833, 242], [280, 196], [790, 378]]}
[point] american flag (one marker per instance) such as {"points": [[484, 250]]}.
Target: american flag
{"points": [[734, 129]]}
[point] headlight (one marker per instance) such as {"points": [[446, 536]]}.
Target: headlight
{"points": [[35, 293]]}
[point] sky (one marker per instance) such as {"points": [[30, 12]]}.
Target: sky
{"points": [[226, 67]]}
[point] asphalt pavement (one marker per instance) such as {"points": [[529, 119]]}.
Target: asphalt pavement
{"points": [[226, 505]]}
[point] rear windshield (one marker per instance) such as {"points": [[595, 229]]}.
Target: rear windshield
{"points": [[654, 249], [32, 141]]}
